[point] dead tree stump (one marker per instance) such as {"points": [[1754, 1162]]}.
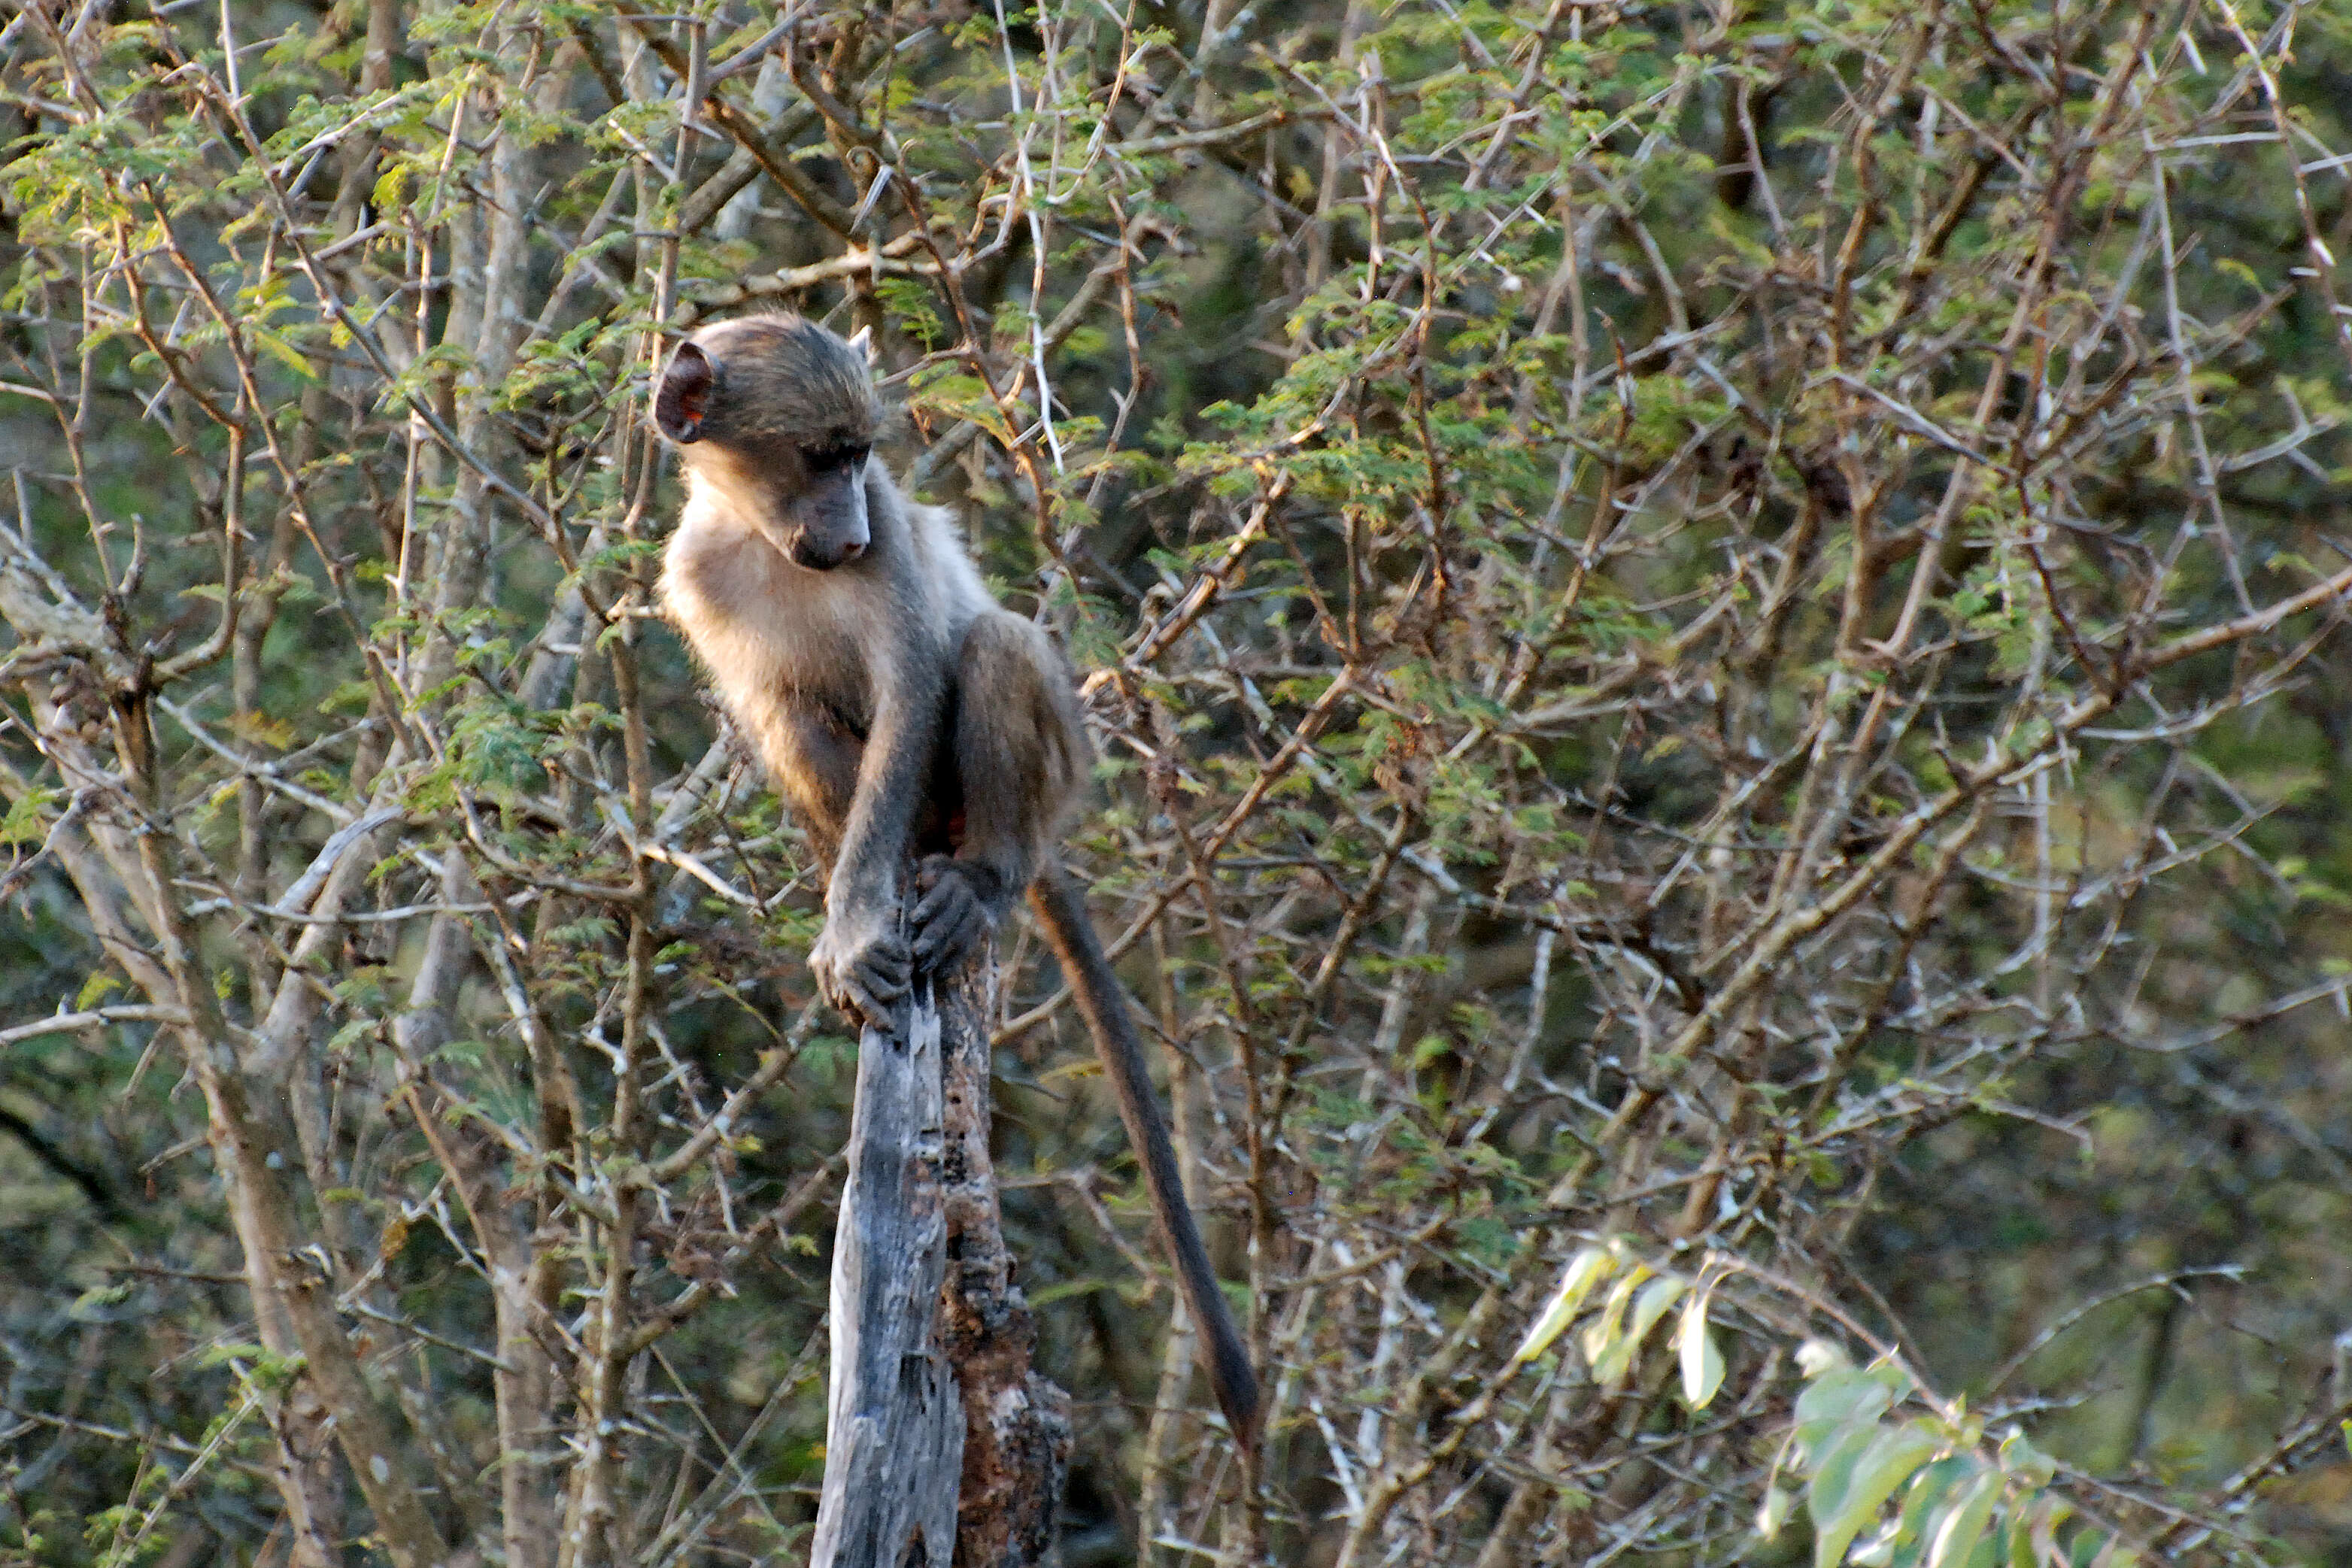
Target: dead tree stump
{"points": [[1016, 1432], [943, 1449], [893, 1425]]}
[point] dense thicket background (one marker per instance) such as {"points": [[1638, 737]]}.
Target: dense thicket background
{"points": [[1715, 630]]}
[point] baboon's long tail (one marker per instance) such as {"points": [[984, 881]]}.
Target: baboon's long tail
{"points": [[1061, 911]]}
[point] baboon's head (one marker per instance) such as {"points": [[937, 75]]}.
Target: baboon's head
{"points": [[779, 413]]}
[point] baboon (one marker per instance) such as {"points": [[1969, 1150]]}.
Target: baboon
{"points": [[901, 712]]}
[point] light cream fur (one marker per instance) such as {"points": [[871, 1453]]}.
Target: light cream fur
{"points": [[764, 627]]}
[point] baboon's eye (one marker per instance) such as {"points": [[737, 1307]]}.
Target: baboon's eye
{"points": [[841, 455]]}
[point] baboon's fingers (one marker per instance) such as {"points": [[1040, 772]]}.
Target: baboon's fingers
{"points": [[885, 973], [859, 996], [948, 921], [944, 946], [870, 1008], [867, 977], [838, 995]]}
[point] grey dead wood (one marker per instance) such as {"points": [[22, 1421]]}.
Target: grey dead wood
{"points": [[942, 1446], [894, 1427], [1016, 1437]]}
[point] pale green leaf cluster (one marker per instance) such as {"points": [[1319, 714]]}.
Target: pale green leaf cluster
{"points": [[1882, 1491], [1638, 1297]]}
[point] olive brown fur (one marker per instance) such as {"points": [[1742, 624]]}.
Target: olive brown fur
{"points": [[903, 715]]}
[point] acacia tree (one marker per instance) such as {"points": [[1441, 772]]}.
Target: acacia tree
{"points": [[1713, 632]]}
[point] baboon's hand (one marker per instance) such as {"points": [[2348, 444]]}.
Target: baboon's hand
{"points": [[954, 913], [861, 963]]}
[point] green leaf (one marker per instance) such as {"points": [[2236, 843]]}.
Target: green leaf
{"points": [[1648, 1308], [28, 819], [1888, 1461], [1927, 1495], [1702, 1364], [1832, 1477], [1584, 1271], [1955, 1535], [94, 990], [1602, 1332], [2027, 1463], [2115, 1554], [1652, 1304], [97, 1296], [1835, 1400], [276, 346]]}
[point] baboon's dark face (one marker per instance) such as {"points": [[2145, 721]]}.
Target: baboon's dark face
{"points": [[779, 415], [826, 519]]}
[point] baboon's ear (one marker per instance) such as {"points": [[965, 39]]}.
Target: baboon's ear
{"points": [[684, 394], [861, 343]]}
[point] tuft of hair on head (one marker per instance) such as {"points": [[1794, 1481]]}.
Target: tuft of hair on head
{"points": [[776, 376]]}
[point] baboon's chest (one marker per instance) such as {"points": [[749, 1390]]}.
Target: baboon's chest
{"points": [[772, 633]]}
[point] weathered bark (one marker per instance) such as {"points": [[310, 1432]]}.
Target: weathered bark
{"points": [[894, 1430], [942, 1445], [1016, 1436]]}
